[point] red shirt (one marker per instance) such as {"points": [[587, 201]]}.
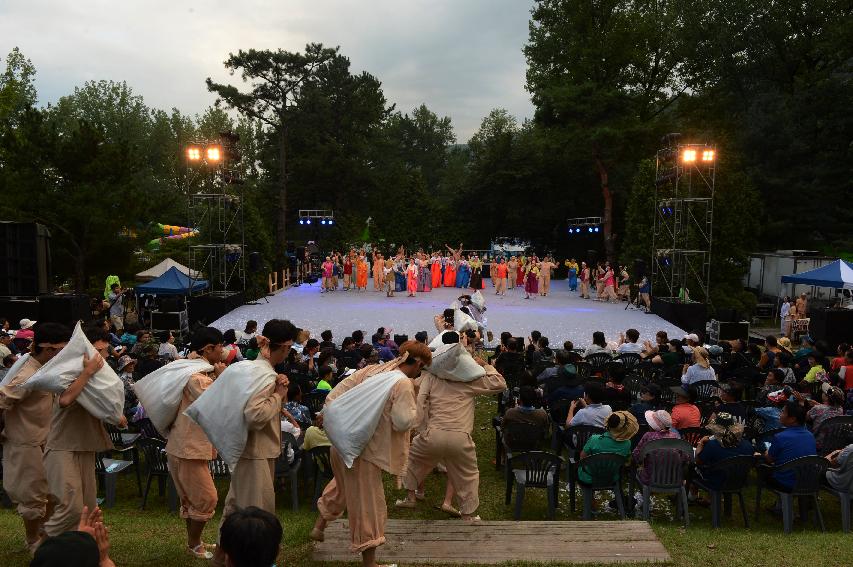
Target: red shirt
{"points": [[686, 415], [348, 267], [501, 270]]}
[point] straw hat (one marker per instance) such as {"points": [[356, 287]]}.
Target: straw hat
{"points": [[726, 428], [626, 428]]}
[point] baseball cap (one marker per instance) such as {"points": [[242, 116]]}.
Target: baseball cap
{"points": [[26, 323], [692, 337]]}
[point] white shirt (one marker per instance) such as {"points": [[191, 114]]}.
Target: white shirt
{"points": [[243, 337], [630, 348], [168, 350]]}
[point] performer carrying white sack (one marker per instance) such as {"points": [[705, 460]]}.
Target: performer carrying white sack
{"points": [[363, 446], [446, 404], [240, 414], [451, 319], [89, 392], [165, 394]]}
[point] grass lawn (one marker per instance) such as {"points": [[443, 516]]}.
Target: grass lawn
{"points": [[156, 537]]}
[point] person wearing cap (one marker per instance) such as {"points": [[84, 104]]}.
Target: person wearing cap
{"points": [[125, 368], [684, 412], [26, 426], [358, 490], [730, 402], [75, 437], [446, 408], [660, 427], [188, 450], [700, 370], [691, 340], [621, 427], [727, 441], [649, 401], [26, 330]]}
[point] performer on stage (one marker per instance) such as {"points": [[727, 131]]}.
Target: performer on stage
{"points": [[645, 292], [327, 268], [512, 273], [436, 271], [390, 277], [521, 272], [531, 284], [492, 269], [545, 268], [361, 272], [378, 269], [188, 450], [599, 281], [358, 490], [424, 275], [26, 427], [463, 273], [450, 273], [412, 277], [501, 271], [572, 266], [624, 293], [476, 266], [585, 275], [609, 283], [348, 272], [448, 409]]}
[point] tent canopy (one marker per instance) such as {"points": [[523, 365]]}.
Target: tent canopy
{"points": [[838, 274], [162, 268], [173, 282]]}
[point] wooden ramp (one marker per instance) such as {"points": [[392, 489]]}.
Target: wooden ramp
{"points": [[452, 541]]}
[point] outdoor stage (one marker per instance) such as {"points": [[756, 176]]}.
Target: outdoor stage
{"points": [[560, 316], [429, 542]]}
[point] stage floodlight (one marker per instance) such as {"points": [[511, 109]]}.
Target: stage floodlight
{"points": [[708, 155], [689, 156], [331, 222], [194, 153], [590, 229], [213, 154], [596, 229], [301, 221], [307, 221]]}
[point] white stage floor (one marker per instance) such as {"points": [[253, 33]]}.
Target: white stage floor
{"points": [[560, 316]]}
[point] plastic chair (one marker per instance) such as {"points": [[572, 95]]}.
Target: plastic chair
{"points": [[535, 469], [148, 431], [108, 470], [666, 461], [284, 469], [705, 389], [630, 360], [558, 411], [126, 443], [845, 499], [808, 472], [574, 439], [834, 433], [605, 469], [314, 401], [157, 467], [598, 361], [218, 468], [322, 466], [517, 438], [693, 434], [583, 369], [736, 476]]}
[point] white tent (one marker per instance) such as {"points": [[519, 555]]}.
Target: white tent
{"points": [[162, 268]]}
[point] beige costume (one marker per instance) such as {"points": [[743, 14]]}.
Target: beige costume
{"points": [[359, 490], [545, 275], [252, 480], [27, 423], [188, 452], [69, 462], [448, 411]]}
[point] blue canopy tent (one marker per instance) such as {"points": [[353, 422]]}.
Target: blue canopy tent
{"points": [[172, 282], [838, 275]]}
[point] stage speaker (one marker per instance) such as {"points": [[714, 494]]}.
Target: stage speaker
{"points": [[169, 321], [728, 315], [24, 259], [255, 263], [729, 331], [16, 309], [400, 339], [65, 308], [639, 269]]}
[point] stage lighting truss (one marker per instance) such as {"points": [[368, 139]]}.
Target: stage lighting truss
{"points": [[322, 217], [585, 225]]}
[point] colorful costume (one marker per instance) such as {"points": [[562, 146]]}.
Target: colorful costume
{"points": [[436, 273], [450, 273]]}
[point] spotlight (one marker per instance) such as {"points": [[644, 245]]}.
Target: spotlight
{"points": [[689, 156], [708, 155], [322, 221], [301, 221], [596, 229], [214, 153], [194, 153], [330, 222], [307, 221], [590, 229]]}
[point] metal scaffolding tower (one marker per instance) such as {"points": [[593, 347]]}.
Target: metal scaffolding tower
{"points": [[684, 219], [216, 209]]}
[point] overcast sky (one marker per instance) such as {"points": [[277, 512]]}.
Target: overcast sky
{"points": [[461, 58]]}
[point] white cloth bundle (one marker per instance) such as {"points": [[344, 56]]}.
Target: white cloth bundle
{"points": [[103, 395], [478, 300], [219, 410], [351, 419], [436, 342], [160, 392], [463, 322], [13, 371], [453, 362]]}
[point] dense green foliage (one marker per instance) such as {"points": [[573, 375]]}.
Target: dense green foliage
{"points": [[767, 81]]}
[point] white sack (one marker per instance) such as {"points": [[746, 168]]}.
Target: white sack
{"points": [[13, 371], [454, 362], [219, 410], [351, 419], [463, 322], [160, 392], [436, 342], [103, 395], [478, 300]]}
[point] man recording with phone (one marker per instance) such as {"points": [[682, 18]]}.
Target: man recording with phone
{"points": [[116, 299]]}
